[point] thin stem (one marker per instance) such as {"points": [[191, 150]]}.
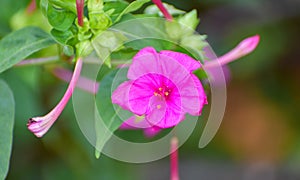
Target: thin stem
{"points": [[163, 9], [61, 105], [174, 159], [37, 61], [31, 7], [82, 83], [80, 8]]}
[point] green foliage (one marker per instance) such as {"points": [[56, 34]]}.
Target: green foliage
{"points": [[19, 44], [7, 9], [62, 36], [114, 8], [153, 9], [135, 5], [108, 120], [60, 19], [7, 108], [65, 4], [106, 43]]}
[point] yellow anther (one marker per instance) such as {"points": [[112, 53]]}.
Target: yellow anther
{"points": [[158, 106], [155, 94], [160, 89], [166, 93]]}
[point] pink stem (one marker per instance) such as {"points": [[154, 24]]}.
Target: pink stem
{"points": [[80, 7], [37, 61], [174, 159], [40, 125], [162, 8], [31, 7], [82, 83]]}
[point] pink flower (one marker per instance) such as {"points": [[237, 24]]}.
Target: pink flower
{"points": [[40, 125], [242, 49], [161, 88]]}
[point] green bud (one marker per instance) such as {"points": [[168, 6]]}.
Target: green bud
{"points": [[194, 41], [174, 30], [95, 6], [99, 22], [68, 50], [189, 20], [84, 32], [84, 48], [109, 39]]}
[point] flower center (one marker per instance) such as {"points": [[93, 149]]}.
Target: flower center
{"points": [[163, 91]]}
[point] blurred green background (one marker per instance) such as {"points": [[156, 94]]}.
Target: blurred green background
{"points": [[258, 138]]}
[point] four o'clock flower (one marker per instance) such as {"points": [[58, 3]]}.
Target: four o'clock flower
{"points": [[161, 88], [139, 121], [40, 125], [243, 48], [163, 9]]}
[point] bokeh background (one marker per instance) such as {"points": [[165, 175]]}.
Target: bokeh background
{"points": [[258, 138]]}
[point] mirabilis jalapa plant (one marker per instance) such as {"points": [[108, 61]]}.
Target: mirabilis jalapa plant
{"points": [[158, 97]]}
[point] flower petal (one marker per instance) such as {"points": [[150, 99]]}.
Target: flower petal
{"points": [[135, 122], [186, 61], [194, 105], [139, 122], [148, 61], [141, 91], [144, 51], [143, 63], [121, 95], [152, 131], [163, 114]]}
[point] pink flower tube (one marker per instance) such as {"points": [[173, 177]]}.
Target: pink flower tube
{"points": [[40, 125], [243, 48]]}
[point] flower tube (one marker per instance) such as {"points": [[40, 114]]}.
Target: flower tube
{"points": [[40, 125]]}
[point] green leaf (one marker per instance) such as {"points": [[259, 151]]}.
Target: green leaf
{"points": [[117, 6], [19, 44], [190, 20], [153, 9], [107, 42], [108, 120], [60, 19], [65, 4], [62, 36], [7, 108], [95, 6], [84, 48], [135, 5]]}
